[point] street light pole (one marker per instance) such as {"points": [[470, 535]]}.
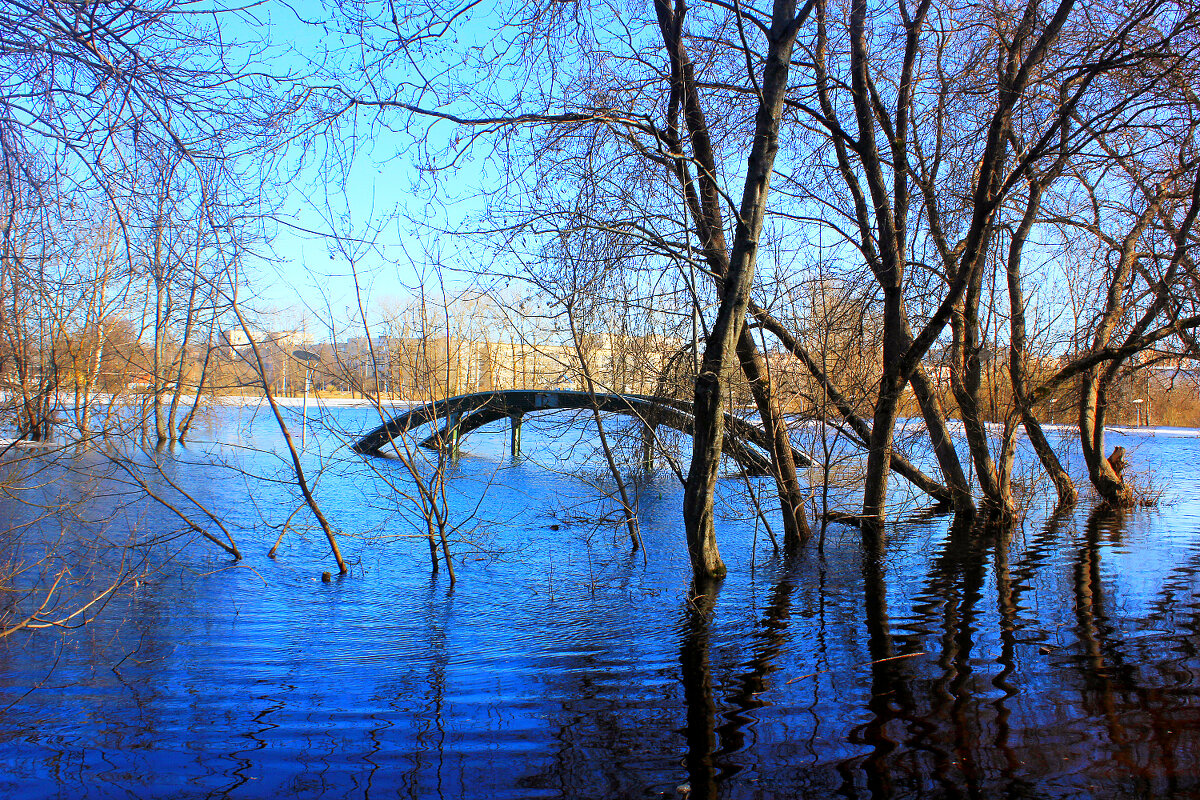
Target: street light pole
{"points": [[309, 358]]}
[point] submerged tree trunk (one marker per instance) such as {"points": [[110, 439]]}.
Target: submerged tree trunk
{"points": [[966, 379], [787, 482], [712, 383], [1068, 495], [1093, 410], [180, 365], [186, 424], [159, 275], [879, 461], [297, 468], [939, 437]]}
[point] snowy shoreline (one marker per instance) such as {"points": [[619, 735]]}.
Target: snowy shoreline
{"points": [[65, 404]]}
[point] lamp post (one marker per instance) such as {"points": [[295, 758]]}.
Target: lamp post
{"points": [[1052, 399], [1137, 404], [309, 358]]}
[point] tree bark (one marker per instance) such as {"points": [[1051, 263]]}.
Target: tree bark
{"points": [[1068, 495], [1093, 410], [712, 383], [787, 482], [943, 446]]}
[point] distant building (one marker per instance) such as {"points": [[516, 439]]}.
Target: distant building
{"points": [[235, 342], [443, 367]]}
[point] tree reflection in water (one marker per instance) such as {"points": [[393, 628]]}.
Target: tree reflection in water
{"points": [[971, 696], [696, 674]]}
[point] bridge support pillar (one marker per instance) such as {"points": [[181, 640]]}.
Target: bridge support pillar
{"points": [[647, 448], [514, 421]]}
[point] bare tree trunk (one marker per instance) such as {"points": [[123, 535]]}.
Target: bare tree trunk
{"points": [[158, 274], [628, 511], [1093, 410], [1068, 495], [879, 461], [181, 362], [943, 445], [791, 499], [966, 379], [186, 424], [297, 467], [712, 384]]}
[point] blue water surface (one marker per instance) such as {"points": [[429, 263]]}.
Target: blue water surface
{"points": [[1057, 659]]}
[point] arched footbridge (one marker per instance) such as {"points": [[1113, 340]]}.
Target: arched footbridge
{"points": [[744, 442]]}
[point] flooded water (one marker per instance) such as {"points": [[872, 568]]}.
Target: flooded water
{"points": [[1061, 659]]}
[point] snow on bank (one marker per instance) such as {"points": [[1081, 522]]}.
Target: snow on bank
{"points": [[313, 402], [68, 402]]}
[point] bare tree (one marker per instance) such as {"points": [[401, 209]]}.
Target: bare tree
{"points": [[96, 102]]}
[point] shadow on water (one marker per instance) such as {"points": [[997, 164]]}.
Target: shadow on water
{"points": [[1142, 699], [952, 706]]}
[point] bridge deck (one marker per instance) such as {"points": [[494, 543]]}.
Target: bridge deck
{"points": [[472, 411]]}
